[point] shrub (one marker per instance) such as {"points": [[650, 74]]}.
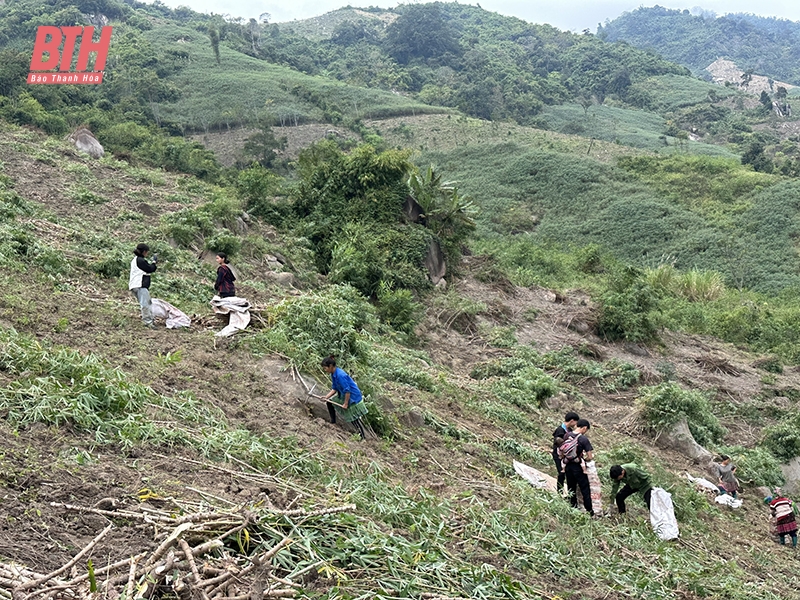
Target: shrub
{"points": [[665, 404], [125, 136], [224, 242], [187, 227], [783, 441], [364, 257], [628, 308], [771, 364], [457, 311], [398, 309], [110, 267], [258, 186], [308, 328], [623, 453], [193, 226], [526, 389], [380, 423], [589, 259]]}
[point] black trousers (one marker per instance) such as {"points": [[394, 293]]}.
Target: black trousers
{"points": [[629, 491], [560, 472], [576, 478]]}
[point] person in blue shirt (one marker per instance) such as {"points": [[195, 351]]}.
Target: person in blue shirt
{"points": [[352, 401]]}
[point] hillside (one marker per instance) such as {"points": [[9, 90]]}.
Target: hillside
{"points": [[487, 222], [760, 45], [438, 511]]}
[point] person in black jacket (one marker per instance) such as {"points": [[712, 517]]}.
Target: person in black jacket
{"points": [[225, 277], [139, 282], [570, 420], [574, 469]]}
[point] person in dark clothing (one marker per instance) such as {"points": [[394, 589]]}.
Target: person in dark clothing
{"points": [[574, 470], [139, 282], [570, 420], [225, 277], [636, 480]]}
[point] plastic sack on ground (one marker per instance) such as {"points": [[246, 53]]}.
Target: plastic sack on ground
{"points": [[702, 483], [662, 514], [728, 500], [535, 478], [174, 317]]}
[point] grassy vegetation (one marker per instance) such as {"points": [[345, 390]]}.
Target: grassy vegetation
{"points": [[409, 541], [659, 240], [624, 126], [252, 90], [484, 536], [697, 212], [671, 92]]}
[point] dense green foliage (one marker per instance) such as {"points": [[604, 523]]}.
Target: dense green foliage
{"points": [[351, 208], [707, 213], [665, 404], [754, 466], [626, 308], [175, 68], [766, 45]]}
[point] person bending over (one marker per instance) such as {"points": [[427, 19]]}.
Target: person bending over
{"points": [[635, 480], [352, 403]]}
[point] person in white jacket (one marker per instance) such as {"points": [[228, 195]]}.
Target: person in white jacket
{"points": [[139, 282]]}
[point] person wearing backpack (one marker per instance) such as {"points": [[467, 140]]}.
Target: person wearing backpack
{"points": [[570, 420], [574, 451]]}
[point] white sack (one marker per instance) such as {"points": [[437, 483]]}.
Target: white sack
{"points": [[536, 478], [174, 317], [662, 514]]}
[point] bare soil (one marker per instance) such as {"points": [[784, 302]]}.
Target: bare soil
{"points": [[39, 465]]}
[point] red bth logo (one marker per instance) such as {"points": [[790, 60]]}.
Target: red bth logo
{"points": [[49, 40]]}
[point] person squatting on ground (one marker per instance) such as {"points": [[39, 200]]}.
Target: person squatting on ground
{"points": [[139, 282], [783, 512], [570, 420], [635, 479], [225, 277], [574, 451], [728, 484], [352, 407]]}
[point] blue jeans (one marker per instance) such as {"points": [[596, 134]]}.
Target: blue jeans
{"points": [[143, 296]]}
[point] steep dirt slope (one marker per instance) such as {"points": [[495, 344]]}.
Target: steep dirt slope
{"points": [[40, 465]]}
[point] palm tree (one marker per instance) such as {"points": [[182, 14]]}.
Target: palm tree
{"points": [[446, 212]]}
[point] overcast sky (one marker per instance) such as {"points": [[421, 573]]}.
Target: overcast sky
{"points": [[575, 15]]}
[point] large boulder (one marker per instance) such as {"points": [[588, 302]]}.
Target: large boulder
{"points": [[680, 439], [791, 473], [84, 141], [434, 262]]}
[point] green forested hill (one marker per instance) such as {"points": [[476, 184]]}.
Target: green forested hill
{"points": [[483, 63], [764, 45]]}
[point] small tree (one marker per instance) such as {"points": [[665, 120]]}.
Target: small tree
{"points": [[214, 35], [261, 146], [766, 101], [446, 212]]}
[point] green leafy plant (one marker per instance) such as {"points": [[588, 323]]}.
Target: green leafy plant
{"points": [[663, 405], [627, 308], [398, 309], [783, 440]]}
